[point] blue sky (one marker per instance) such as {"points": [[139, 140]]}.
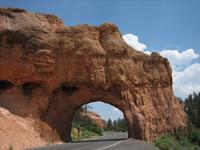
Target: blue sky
{"points": [[170, 27], [106, 111], [161, 24]]}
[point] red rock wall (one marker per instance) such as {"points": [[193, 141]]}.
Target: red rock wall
{"points": [[55, 69]]}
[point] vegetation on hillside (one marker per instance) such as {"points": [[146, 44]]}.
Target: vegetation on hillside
{"points": [[118, 125], [84, 134], [191, 139], [170, 142], [192, 108], [88, 129], [82, 123]]}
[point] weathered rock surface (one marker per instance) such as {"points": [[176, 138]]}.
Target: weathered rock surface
{"points": [[49, 70], [20, 133], [94, 117]]}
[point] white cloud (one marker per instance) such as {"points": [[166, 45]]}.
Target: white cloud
{"points": [[186, 77], [186, 74], [177, 58], [133, 41], [187, 80]]}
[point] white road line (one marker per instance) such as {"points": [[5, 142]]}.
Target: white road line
{"points": [[109, 146]]}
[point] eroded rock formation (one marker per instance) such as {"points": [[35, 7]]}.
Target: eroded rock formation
{"points": [[94, 118], [49, 70]]}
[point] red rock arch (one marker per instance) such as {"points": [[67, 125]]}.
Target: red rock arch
{"points": [[63, 106], [93, 62]]}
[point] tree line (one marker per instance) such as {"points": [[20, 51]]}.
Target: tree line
{"points": [[118, 125], [192, 109]]}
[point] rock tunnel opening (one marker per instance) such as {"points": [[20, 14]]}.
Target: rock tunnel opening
{"points": [[63, 107], [98, 121]]}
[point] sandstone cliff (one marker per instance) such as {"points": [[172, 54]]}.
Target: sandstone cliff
{"points": [[48, 70]]}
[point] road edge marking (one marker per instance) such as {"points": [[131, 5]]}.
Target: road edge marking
{"points": [[109, 146]]}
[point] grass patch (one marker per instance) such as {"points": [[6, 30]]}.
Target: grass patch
{"points": [[84, 134], [170, 142], [94, 129]]}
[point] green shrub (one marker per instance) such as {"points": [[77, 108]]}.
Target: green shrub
{"points": [[195, 136], [170, 142], [87, 134], [164, 146], [167, 142], [95, 129]]}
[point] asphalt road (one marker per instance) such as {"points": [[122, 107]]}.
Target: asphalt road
{"points": [[109, 136], [109, 141]]}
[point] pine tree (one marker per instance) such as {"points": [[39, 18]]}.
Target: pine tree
{"points": [[109, 125], [192, 107]]}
